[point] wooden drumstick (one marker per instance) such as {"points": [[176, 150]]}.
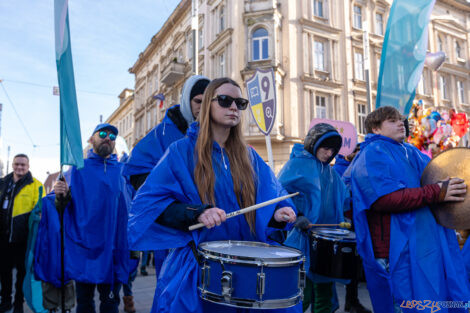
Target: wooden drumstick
{"points": [[249, 209], [342, 224]]}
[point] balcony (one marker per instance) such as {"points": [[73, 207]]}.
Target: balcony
{"points": [[172, 73]]}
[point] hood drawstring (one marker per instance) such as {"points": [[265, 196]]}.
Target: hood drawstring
{"points": [[164, 125], [104, 161]]}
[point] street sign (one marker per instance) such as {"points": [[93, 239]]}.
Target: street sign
{"points": [[345, 129], [262, 95]]}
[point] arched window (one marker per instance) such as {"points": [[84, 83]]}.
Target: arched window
{"points": [[260, 44]]}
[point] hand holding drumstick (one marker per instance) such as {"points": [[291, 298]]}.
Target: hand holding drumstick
{"points": [[215, 216]]}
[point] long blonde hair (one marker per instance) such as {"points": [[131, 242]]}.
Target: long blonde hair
{"points": [[243, 175]]}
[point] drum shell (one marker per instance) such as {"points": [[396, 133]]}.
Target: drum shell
{"points": [[283, 285], [334, 257]]}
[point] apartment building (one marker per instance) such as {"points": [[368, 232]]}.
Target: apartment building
{"points": [[316, 50]]}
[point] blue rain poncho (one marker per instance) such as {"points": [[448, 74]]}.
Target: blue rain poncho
{"points": [[340, 164], [425, 261], [95, 227], [150, 149], [173, 180], [323, 196]]}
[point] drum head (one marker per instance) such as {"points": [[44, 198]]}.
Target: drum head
{"points": [[249, 250], [333, 233]]}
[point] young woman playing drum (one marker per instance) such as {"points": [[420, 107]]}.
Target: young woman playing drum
{"points": [[201, 178]]}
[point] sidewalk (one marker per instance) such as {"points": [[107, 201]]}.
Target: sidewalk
{"points": [[144, 289]]}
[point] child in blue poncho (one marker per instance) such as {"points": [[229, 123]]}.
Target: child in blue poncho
{"points": [[406, 255], [201, 178], [323, 198]]}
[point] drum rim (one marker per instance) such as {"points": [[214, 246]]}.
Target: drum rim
{"points": [[257, 260], [314, 234], [250, 303]]}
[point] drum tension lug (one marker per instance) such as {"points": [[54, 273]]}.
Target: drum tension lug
{"points": [[226, 282], [206, 272], [302, 276], [261, 285]]}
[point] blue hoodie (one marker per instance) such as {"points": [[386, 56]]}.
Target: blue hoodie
{"points": [[173, 180], [150, 149], [425, 259], [95, 224]]}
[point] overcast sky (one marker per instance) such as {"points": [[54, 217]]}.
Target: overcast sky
{"points": [[106, 36]]}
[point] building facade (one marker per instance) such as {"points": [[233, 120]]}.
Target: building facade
{"points": [[123, 116], [316, 50]]}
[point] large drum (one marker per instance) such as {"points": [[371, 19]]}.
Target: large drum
{"points": [[248, 274], [333, 253]]}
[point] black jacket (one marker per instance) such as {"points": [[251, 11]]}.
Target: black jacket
{"points": [[14, 218]]}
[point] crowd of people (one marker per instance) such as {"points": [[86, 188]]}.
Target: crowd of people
{"points": [[195, 167]]}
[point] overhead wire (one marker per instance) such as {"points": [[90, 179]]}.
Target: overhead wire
{"points": [[17, 115], [49, 86]]}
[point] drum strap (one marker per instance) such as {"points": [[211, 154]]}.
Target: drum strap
{"points": [[192, 244]]}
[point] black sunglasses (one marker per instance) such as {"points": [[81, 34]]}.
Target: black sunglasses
{"points": [[104, 133], [198, 101], [226, 102]]}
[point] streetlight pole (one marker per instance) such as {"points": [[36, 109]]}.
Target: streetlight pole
{"points": [[194, 27]]}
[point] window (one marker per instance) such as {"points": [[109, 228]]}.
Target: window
{"points": [[421, 85], [320, 107], [200, 41], [189, 40], [458, 50], [260, 44], [156, 81], [440, 44], [149, 87], [319, 55], [379, 24], [221, 18], [149, 119], [358, 66], [357, 17], [318, 8], [361, 118], [222, 64], [443, 87], [378, 68], [461, 91]]}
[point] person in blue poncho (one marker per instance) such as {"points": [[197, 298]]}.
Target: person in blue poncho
{"points": [[150, 149], [94, 201], [201, 178], [406, 255], [323, 198], [351, 300]]}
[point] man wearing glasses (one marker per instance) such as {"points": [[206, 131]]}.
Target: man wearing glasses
{"points": [[94, 200]]}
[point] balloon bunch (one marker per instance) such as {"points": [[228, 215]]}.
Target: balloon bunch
{"points": [[433, 132]]}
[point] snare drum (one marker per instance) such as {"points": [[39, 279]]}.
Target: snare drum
{"points": [[333, 253], [247, 274]]}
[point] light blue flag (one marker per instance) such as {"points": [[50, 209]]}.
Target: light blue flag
{"points": [[70, 137], [403, 53]]}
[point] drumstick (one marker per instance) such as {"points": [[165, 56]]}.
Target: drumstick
{"points": [[342, 224], [249, 209]]}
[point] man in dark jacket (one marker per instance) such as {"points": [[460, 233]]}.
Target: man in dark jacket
{"points": [[19, 193]]}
